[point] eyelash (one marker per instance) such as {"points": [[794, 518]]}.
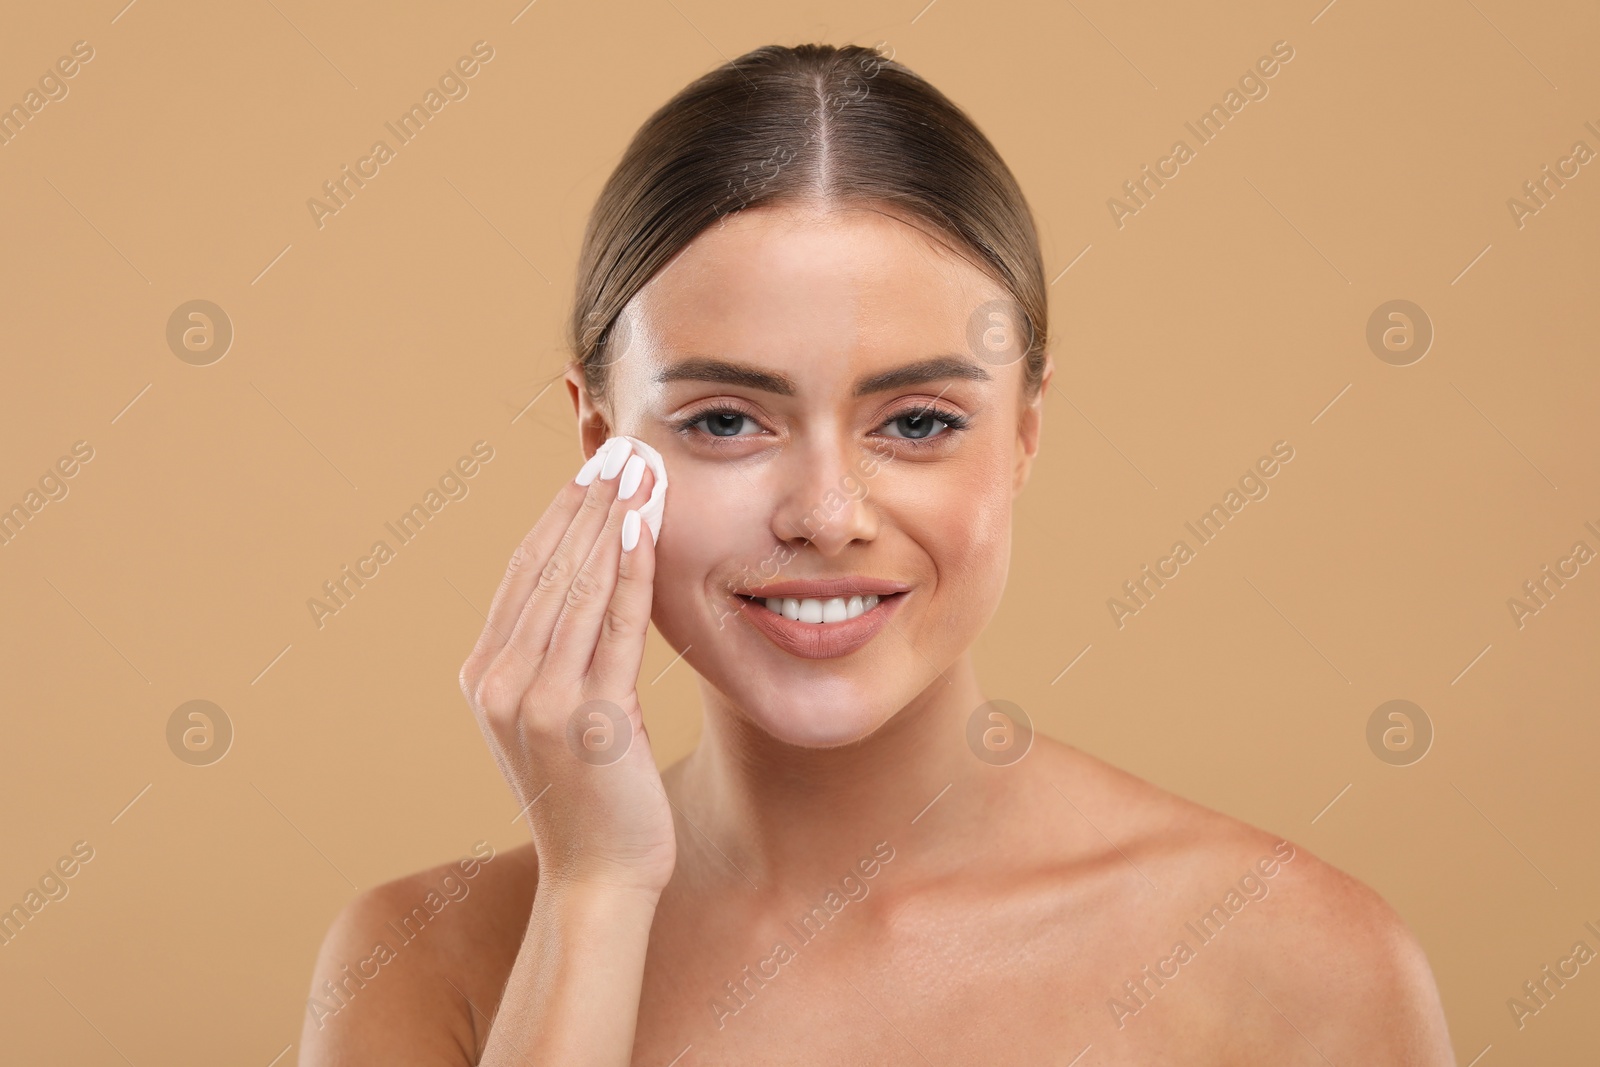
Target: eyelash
{"points": [[954, 423]]}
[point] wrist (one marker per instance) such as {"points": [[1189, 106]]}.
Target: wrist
{"points": [[592, 913], [582, 890]]}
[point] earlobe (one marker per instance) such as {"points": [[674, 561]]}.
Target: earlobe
{"points": [[1020, 474], [1027, 447]]}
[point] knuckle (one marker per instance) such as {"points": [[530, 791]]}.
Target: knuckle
{"points": [[553, 575], [585, 588], [497, 694], [615, 625]]}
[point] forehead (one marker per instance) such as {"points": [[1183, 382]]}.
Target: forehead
{"points": [[787, 284]]}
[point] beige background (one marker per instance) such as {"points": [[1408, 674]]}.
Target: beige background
{"points": [[369, 354]]}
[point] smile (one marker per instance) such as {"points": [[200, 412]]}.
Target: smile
{"points": [[808, 609], [818, 627]]}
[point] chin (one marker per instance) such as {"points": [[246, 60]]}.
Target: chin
{"points": [[816, 718], [791, 702]]}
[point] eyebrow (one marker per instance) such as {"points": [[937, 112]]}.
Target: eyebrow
{"points": [[933, 369], [709, 369]]}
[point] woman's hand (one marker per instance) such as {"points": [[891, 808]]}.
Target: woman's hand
{"points": [[553, 682]]}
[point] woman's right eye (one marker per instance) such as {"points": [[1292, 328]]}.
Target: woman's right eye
{"points": [[722, 423]]}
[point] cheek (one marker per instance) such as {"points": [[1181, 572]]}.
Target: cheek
{"points": [[712, 518], [963, 518]]}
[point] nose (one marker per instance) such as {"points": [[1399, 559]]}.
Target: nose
{"points": [[824, 499]]}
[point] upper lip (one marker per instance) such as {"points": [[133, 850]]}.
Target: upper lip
{"points": [[825, 588]]}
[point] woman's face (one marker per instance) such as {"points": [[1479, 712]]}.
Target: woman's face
{"points": [[835, 397]]}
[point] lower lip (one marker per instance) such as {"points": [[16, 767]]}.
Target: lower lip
{"points": [[812, 640]]}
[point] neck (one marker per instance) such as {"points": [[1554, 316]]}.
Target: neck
{"points": [[772, 813]]}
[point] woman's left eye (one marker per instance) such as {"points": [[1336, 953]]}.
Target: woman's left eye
{"points": [[917, 424]]}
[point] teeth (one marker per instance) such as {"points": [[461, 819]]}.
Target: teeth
{"points": [[808, 609]]}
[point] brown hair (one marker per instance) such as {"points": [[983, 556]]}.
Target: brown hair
{"points": [[809, 123]]}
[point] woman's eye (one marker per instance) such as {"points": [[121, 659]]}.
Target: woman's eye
{"points": [[917, 425], [723, 423]]}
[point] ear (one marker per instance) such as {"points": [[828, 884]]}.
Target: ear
{"points": [[593, 426], [1029, 427]]}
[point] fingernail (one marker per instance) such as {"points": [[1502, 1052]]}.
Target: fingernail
{"points": [[632, 475], [616, 456], [587, 472], [630, 530]]}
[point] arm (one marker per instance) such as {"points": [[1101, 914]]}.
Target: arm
{"points": [[573, 995], [552, 684]]}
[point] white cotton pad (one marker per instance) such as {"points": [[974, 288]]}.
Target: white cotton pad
{"points": [[653, 509]]}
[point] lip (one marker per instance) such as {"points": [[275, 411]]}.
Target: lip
{"points": [[825, 588], [811, 640]]}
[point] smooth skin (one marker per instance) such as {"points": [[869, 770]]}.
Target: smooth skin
{"points": [[978, 913]]}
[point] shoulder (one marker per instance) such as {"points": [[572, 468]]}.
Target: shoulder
{"points": [[1297, 946], [410, 970], [1338, 959]]}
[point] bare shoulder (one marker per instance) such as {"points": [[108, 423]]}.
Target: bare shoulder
{"points": [[1336, 958], [1311, 955], [410, 971]]}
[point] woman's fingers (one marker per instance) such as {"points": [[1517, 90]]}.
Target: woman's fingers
{"points": [[565, 579], [523, 571], [530, 566], [588, 612], [620, 648], [567, 596]]}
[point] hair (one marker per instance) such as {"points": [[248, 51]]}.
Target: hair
{"points": [[811, 123]]}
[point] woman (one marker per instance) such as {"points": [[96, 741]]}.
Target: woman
{"points": [[815, 291]]}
